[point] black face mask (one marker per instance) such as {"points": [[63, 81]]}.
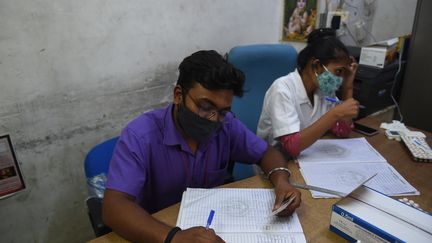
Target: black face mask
{"points": [[196, 127]]}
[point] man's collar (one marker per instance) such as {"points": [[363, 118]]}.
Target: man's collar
{"points": [[171, 135]]}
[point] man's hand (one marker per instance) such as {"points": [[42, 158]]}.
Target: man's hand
{"points": [[197, 235], [283, 191], [280, 180]]}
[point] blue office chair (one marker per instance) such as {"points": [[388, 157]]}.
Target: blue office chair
{"points": [[261, 64], [96, 166]]}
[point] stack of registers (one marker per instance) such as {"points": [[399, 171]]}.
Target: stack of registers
{"points": [[338, 164], [241, 215]]}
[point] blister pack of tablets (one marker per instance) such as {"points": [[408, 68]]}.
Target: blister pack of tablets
{"points": [[420, 150], [411, 203]]}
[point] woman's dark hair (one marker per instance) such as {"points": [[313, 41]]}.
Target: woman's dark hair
{"points": [[323, 45], [212, 71]]}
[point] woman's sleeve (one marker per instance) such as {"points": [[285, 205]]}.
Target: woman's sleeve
{"points": [[342, 128], [291, 143]]}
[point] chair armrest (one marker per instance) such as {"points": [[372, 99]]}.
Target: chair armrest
{"points": [[94, 207]]}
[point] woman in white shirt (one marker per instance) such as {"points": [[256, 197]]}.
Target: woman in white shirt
{"points": [[302, 106]]}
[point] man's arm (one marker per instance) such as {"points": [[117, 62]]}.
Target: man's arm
{"points": [[128, 219], [280, 179]]}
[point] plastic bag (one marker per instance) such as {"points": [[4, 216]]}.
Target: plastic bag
{"points": [[96, 185]]}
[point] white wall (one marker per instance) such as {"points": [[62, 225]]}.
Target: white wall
{"points": [[74, 72], [393, 18], [381, 19]]}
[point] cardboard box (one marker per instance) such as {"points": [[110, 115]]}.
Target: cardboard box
{"points": [[379, 54], [370, 216]]}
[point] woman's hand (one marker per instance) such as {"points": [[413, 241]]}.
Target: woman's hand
{"points": [[351, 71], [346, 110], [348, 83]]}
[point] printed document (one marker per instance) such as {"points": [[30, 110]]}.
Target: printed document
{"points": [[337, 164], [241, 215], [352, 150], [341, 177]]}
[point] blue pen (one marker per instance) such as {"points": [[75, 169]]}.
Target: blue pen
{"points": [[210, 219], [338, 101]]}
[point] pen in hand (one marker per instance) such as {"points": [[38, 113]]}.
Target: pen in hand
{"points": [[284, 205], [333, 100], [210, 219]]}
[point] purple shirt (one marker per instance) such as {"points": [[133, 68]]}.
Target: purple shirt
{"points": [[153, 162]]}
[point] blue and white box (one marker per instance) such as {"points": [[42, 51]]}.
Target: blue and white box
{"points": [[369, 216]]}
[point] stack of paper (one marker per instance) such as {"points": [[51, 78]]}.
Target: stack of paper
{"points": [[241, 215], [337, 164]]}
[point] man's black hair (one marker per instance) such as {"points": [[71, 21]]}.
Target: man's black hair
{"points": [[212, 71], [323, 45]]}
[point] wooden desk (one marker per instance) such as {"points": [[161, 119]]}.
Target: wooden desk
{"points": [[314, 214]]}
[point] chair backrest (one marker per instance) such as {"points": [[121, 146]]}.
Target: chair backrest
{"points": [[261, 64], [96, 165], [98, 158]]}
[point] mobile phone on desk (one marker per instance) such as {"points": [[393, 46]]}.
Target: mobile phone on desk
{"points": [[368, 131]]}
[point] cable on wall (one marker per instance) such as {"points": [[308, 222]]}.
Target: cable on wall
{"points": [[394, 84]]}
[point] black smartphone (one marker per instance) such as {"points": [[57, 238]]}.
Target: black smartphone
{"points": [[368, 131]]}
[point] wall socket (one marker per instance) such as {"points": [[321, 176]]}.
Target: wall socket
{"points": [[336, 18]]}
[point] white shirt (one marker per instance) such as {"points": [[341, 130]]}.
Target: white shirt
{"points": [[287, 108]]}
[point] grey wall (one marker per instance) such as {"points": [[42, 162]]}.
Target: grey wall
{"points": [[74, 72]]}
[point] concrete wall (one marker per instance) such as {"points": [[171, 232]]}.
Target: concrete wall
{"points": [[74, 72]]}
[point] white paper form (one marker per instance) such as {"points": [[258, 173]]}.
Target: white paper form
{"points": [[263, 237], [352, 150], [341, 177], [241, 215]]}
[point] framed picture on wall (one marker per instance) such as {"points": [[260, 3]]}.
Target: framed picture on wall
{"points": [[299, 19], [11, 179]]}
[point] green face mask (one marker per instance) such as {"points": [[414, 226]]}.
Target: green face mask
{"points": [[328, 82]]}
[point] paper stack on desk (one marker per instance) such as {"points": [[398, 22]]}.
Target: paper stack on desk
{"points": [[339, 163], [241, 215]]}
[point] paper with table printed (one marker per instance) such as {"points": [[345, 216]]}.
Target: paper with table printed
{"points": [[241, 215], [337, 164]]}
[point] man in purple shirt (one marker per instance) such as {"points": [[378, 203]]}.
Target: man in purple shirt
{"points": [[187, 144]]}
